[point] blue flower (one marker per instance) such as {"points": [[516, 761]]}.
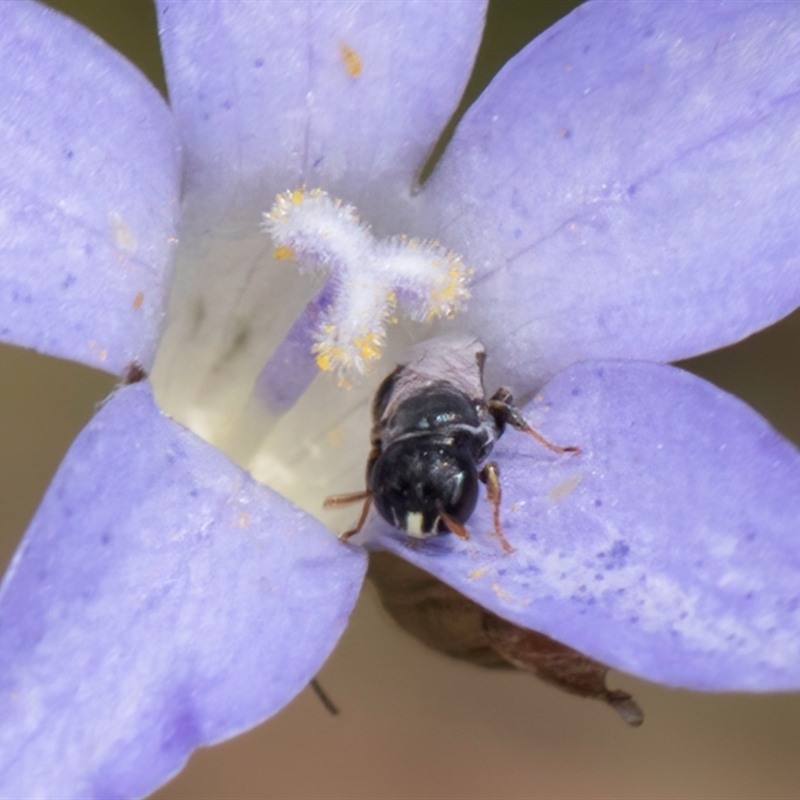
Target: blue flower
{"points": [[626, 189]]}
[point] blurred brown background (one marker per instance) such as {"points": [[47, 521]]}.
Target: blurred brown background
{"points": [[413, 724]]}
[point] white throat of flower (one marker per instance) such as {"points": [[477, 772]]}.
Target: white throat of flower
{"points": [[250, 345]]}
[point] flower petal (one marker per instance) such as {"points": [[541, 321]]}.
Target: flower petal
{"points": [[273, 95], [88, 194], [628, 185], [668, 548], [161, 600]]}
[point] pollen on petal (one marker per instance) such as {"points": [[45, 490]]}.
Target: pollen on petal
{"points": [[101, 352], [124, 237], [369, 278], [352, 60]]}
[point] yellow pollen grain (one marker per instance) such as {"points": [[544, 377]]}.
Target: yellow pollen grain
{"points": [[328, 357], [477, 573], [124, 237], [369, 346], [283, 253], [138, 300], [243, 521], [566, 487], [447, 292], [335, 437], [297, 197], [94, 346], [501, 593], [351, 59]]}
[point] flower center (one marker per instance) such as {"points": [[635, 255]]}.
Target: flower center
{"points": [[256, 353]]}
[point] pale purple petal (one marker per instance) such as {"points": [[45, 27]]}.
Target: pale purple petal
{"points": [[668, 548], [629, 185], [274, 95], [88, 194], [161, 600]]}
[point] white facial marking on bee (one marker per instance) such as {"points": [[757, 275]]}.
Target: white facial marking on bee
{"points": [[414, 525]]}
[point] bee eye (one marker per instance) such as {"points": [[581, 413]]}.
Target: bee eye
{"points": [[412, 484]]}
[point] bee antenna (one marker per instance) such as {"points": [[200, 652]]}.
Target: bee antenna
{"points": [[454, 526]]}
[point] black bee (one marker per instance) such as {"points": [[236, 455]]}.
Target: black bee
{"points": [[433, 431]]}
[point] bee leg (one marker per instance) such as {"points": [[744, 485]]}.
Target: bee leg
{"points": [[345, 499], [505, 413], [490, 475]]}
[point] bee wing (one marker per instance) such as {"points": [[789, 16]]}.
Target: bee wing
{"points": [[456, 360]]}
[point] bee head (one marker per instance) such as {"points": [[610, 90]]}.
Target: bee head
{"points": [[417, 478]]}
